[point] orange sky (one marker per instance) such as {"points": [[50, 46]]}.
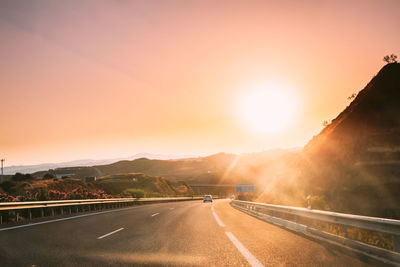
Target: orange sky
{"points": [[103, 79]]}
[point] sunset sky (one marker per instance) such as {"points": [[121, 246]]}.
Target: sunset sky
{"points": [[104, 79]]}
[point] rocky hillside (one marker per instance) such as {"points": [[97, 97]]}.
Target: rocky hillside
{"points": [[355, 161]]}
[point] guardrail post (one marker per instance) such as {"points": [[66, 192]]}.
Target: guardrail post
{"points": [[62, 211], [52, 212], [41, 212], [17, 216], [1, 219], [396, 243], [30, 214], [344, 230]]}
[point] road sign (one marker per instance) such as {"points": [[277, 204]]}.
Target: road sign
{"points": [[245, 188]]}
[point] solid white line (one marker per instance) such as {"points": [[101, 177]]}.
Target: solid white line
{"points": [[113, 232], [220, 223], [64, 219], [155, 214], [243, 250]]}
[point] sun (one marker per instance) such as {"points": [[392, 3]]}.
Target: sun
{"points": [[267, 109]]}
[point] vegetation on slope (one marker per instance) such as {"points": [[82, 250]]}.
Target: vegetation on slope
{"points": [[50, 189], [220, 168], [120, 185], [354, 163], [142, 185]]}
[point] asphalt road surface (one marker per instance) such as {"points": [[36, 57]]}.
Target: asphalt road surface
{"points": [[188, 233]]}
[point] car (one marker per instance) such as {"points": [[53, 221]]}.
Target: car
{"points": [[207, 198]]}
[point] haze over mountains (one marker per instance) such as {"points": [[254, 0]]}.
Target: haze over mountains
{"points": [[85, 162], [221, 168]]}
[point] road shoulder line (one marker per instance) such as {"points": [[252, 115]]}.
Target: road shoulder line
{"points": [[244, 251]]}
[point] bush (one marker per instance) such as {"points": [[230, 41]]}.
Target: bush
{"points": [[390, 58], [42, 194], [155, 194], [48, 176], [137, 193], [22, 177], [319, 203], [7, 185], [246, 196]]}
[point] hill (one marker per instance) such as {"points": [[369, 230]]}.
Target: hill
{"points": [[119, 185], [142, 185], [221, 168], [354, 163], [10, 170]]}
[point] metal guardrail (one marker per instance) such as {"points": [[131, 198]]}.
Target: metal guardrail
{"points": [[295, 218], [27, 210]]}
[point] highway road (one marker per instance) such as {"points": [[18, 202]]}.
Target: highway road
{"points": [[188, 233]]}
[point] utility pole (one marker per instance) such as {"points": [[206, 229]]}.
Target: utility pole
{"points": [[2, 160]]}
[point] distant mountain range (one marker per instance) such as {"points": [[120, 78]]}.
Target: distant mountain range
{"points": [[221, 168], [84, 162]]}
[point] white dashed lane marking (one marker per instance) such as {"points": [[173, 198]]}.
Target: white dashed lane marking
{"points": [[220, 223], [113, 232]]}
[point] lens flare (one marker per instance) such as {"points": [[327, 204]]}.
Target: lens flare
{"points": [[268, 109]]}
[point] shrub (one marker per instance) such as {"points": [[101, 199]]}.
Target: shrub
{"points": [[42, 194], [22, 177], [246, 196], [137, 193], [390, 58], [48, 176], [319, 203], [7, 185]]}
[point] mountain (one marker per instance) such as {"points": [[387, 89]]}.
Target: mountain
{"points": [[84, 162], [354, 162], [221, 168], [142, 185], [47, 166]]}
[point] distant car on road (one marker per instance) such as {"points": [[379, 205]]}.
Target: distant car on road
{"points": [[207, 198]]}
